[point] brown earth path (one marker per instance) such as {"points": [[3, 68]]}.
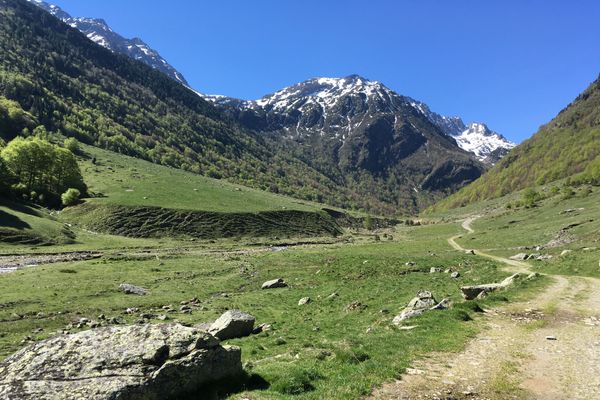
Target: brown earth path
{"points": [[546, 348]]}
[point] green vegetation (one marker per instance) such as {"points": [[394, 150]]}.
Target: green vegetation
{"points": [[70, 197], [42, 171], [566, 147], [325, 349]]}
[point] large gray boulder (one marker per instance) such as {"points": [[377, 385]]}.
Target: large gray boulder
{"points": [[140, 362], [417, 306], [232, 324], [132, 289]]}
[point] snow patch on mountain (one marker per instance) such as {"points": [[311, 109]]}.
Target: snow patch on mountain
{"points": [[98, 31]]}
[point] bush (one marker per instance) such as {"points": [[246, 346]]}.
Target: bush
{"points": [[72, 145], [70, 197]]}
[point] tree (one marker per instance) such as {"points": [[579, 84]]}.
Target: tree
{"points": [[530, 197], [6, 178], [42, 167], [70, 197], [72, 145]]}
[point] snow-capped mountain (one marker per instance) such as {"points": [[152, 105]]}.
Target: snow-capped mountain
{"points": [[98, 31], [335, 106]]}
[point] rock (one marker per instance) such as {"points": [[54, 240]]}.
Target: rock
{"points": [[355, 306], [417, 306], [520, 257], [455, 275], [534, 256], [132, 289], [471, 252], [442, 305], [303, 301], [410, 263], [273, 284], [472, 292], [232, 324], [332, 296], [565, 252], [130, 362], [434, 270], [550, 337], [261, 328], [408, 327]]}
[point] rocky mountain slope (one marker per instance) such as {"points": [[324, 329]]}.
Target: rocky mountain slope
{"points": [[566, 147], [321, 106], [99, 32]]}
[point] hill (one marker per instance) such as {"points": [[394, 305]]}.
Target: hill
{"points": [[568, 147]]}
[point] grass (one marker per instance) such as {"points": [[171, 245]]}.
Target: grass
{"points": [[506, 232], [320, 350], [130, 181]]}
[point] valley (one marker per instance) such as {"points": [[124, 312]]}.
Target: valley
{"points": [[334, 239]]}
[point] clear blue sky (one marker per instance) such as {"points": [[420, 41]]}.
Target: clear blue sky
{"points": [[512, 64]]}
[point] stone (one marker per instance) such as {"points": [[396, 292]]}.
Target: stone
{"points": [[479, 291], [565, 252], [261, 328], [550, 337], [128, 362], [417, 306], [232, 324], [520, 257], [471, 252], [332, 296], [274, 283], [442, 305], [455, 275], [304, 301], [434, 270], [132, 289]]}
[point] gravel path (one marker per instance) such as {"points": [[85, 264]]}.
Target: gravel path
{"points": [[546, 348]]}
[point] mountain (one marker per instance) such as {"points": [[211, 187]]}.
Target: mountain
{"points": [[477, 138], [317, 105], [566, 147], [363, 135], [99, 32]]}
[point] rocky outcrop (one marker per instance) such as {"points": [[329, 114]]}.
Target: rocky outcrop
{"points": [[233, 324], [478, 291], [424, 301], [148, 362], [132, 289]]}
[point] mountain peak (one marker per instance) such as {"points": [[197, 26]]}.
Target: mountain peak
{"points": [[98, 31]]}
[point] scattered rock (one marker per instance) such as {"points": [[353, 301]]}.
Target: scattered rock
{"points": [[273, 284], [261, 328], [455, 275], [130, 362], [303, 301], [232, 324], [132, 289], [408, 327], [355, 306], [132, 310], [434, 270], [414, 371], [417, 306], [471, 252], [442, 305], [565, 252], [550, 337], [472, 292], [332, 296], [520, 257], [410, 263]]}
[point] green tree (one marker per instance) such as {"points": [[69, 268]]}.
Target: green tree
{"points": [[72, 145], [70, 197], [530, 197]]}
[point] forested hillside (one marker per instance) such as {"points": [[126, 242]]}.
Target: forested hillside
{"points": [[566, 147], [52, 75]]}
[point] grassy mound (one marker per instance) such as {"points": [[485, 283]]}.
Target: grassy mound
{"points": [[158, 222]]}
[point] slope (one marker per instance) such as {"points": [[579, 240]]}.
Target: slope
{"points": [[566, 147]]}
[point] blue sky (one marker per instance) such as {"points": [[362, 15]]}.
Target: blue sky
{"points": [[513, 64]]}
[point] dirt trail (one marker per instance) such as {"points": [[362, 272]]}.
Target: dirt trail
{"points": [[513, 357]]}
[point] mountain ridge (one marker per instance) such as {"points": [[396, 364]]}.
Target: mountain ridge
{"points": [[98, 31]]}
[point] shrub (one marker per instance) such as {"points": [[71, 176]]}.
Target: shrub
{"points": [[72, 145], [70, 197]]}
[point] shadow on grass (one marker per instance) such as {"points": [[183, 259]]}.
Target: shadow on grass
{"points": [[11, 221], [227, 387]]}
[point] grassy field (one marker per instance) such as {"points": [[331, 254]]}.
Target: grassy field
{"points": [[320, 350], [133, 182], [555, 223]]}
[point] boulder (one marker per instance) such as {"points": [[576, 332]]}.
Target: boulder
{"points": [[455, 275], [442, 305], [129, 362], [232, 324], [274, 283], [565, 252], [479, 291], [520, 257], [132, 289], [434, 270]]}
